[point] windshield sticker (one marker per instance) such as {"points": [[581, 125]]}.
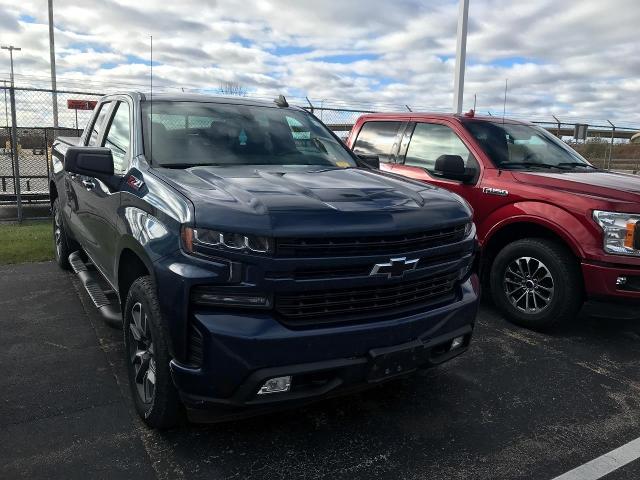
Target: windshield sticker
{"points": [[243, 137], [343, 164]]}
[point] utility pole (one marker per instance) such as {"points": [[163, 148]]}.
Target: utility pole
{"points": [[14, 136], [52, 56], [11, 48], [461, 56]]}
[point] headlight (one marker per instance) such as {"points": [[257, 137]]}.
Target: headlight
{"points": [[194, 240], [621, 232]]}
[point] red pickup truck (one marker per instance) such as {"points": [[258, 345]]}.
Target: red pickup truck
{"points": [[555, 230]]}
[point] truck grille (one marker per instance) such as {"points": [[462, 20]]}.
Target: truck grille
{"points": [[350, 246], [367, 303]]}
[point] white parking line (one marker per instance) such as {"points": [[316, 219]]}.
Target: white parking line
{"points": [[605, 464]]}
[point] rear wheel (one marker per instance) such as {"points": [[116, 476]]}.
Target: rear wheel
{"points": [[147, 356], [536, 283], [60, 242]]}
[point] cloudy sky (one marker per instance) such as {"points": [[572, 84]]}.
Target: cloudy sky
{"points": [[571, 58]]}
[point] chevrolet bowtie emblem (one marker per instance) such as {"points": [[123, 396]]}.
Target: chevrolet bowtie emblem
{"points": [[395, 268]]}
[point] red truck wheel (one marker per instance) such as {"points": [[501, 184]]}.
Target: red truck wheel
{"points": [[536, 283]]}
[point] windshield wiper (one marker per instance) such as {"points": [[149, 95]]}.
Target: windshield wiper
{"points": [[525, 164], [577, 164]]}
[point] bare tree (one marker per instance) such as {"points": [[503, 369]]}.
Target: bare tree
{"points": [[232, 88]]}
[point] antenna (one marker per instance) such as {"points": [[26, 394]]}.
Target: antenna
{"points": [[475, 97], [504, 105], [151, 99]]}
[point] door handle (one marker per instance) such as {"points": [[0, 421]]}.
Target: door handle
{"points": [[88, 184]]}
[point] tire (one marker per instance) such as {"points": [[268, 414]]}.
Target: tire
{"points": [[60, 242], [536, 283], [146, 342]]}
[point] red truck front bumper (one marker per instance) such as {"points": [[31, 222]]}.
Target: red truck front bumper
{"points": [[604, 281]]}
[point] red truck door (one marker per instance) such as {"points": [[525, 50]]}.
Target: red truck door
{"points": [[423, 143]]}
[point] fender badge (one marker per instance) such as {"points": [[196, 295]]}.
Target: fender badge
{"points": [[495, 191], [134, 182]]}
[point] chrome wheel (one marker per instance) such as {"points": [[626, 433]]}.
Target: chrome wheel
{"points": [[141, 353], [529, 285], [57, 231]]}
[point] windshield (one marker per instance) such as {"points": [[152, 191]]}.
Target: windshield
{"points": [[186, 134], [524, 146]]}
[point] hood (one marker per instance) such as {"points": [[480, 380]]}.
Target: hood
{"points": [[605, 185], [298, 200]]}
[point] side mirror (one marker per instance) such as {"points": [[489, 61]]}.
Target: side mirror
{"points": [[452, 167], [371, 161], [90, 161]]}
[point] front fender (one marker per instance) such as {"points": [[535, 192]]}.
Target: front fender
{"points": [[559, 221]]}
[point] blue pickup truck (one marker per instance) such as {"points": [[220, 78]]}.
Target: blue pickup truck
{"points": [[251, 259]]}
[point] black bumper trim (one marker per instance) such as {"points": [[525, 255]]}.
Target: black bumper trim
{"points": [[351, 375]]}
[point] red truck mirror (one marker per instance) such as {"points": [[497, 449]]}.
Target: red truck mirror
{"points": [[452, 167]]}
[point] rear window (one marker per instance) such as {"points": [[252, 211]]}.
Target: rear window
{"points": [[377, 138]]}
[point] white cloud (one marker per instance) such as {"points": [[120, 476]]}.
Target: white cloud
{"points": [[574, 58]]}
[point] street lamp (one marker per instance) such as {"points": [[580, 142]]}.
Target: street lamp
{"points": [[461, 55], [11, 48]]}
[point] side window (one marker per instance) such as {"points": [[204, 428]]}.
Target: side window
{"points": [[98, 124], [377, 138], [429, 141], [118, 138]]}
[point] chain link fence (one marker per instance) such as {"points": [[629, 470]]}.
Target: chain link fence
{"points": [[24, 167]]}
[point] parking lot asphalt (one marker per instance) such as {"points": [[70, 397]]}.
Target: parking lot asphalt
{"points": [[518, 405]]}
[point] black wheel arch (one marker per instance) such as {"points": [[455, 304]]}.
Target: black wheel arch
{"points": [[511, 233]]}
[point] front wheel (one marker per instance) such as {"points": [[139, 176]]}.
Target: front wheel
{"points": [[146, 344], [536, 283]]}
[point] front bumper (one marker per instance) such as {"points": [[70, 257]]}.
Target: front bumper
{"points": [[600, 281], [241, 351]]}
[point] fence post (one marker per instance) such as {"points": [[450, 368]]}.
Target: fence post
{"points": [[14, 151], [46, 156], [310, 105], [613, 131], [559, 126]]}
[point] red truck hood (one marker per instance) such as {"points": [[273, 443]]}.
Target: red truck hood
{"points": [[606, 185]]}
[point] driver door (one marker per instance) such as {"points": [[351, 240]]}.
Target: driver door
{"points": [[100, 202], [421, 146]]}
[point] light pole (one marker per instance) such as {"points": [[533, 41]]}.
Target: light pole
{"points": [[52, 56], [461, 56], [14, 136]]}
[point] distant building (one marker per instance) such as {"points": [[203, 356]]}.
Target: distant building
{"points": [[635, 138]]}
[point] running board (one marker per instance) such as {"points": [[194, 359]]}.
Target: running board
{"points": [[105, 300]]}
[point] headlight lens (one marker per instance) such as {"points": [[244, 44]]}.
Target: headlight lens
{"points": [[195, 239], [621, 232]]}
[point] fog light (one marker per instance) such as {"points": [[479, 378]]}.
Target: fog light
{"points": [[621, 281], [276, 385], [457, 343]]}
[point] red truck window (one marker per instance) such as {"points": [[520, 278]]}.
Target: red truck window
{"points": [[378, 138], [430, 141]]}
